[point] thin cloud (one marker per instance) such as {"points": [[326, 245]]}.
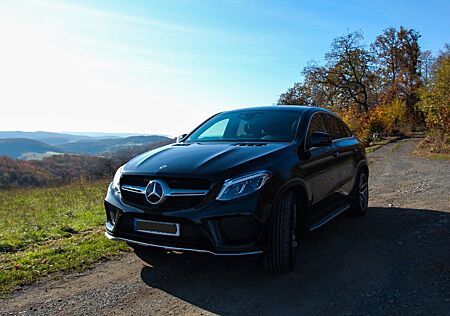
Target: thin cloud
{"points": [[124, 18]]}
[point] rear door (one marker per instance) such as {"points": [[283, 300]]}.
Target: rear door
{"points": [[344, 152]]}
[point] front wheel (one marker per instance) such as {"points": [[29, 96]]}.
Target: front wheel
{"points": [[283, 236], [360, 195]]}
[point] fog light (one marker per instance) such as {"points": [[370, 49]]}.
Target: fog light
{"points": [[112, 216]]}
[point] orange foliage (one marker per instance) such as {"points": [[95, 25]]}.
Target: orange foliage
{"points": [[385, 119], [357, 121]]}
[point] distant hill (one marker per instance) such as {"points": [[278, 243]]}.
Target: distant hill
{"points": [[16, 147], [91, 147], [107, 135], [45, 137], [37, 145]]}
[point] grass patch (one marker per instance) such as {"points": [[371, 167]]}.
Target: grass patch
{"points": [[77, 252], [373, 148], [29, 216], [45, 230], [381, 142], [440, 156]]}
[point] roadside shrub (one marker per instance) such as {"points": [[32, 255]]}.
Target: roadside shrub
{"points": [[434, 144], [383, 120], [389, 119]]}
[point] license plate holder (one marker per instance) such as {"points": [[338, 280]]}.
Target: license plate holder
{"points": [[157, 228]]}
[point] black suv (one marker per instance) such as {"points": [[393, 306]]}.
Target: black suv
{"points": [[244, 182]]}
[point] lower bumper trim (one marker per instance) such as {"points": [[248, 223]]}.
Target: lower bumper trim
{"points": [[111, 237]]}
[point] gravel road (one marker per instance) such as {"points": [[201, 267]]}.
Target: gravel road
{"points": [[393, 261]]}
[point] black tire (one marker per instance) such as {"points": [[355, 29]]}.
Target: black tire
{"points": [[359, 199], [282, 236]]}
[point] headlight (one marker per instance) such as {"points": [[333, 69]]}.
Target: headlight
{"points": [[243, 185], [116, 180]]}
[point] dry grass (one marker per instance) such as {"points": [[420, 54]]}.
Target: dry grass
{"points": [[434, 148]]}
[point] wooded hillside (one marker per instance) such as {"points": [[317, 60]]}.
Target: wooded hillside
{"points": [[62, 169]]}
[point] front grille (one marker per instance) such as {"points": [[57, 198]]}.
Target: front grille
{"points": [[172, 203], [173, 183]]}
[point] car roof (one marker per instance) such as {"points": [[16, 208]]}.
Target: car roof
{"points": [[299, 108]]}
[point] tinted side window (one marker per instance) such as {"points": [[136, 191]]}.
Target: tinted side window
{"points": [[346, 130], [335, 127], [317, 124]]}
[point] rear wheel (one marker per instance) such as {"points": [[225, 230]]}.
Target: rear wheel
{"points": [[360, 195], [283, 236]]}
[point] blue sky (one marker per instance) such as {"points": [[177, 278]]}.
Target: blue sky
{"points": [[165, 66]]}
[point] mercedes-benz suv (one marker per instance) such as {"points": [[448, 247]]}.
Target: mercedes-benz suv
{"points": [[247, 181]]}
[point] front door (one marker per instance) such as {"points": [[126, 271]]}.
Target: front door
{"points": [[323, 172]]}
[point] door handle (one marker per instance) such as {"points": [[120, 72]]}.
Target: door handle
{"points": [[336, 154]]}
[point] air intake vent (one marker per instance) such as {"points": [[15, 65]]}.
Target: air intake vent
{"points": [[250, 144], [181, 144]]}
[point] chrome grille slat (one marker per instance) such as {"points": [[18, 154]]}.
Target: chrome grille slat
{"points": [[133, 188], [186, 192], [168, 192]]}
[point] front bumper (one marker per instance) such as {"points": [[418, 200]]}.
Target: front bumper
{"points": [[111, 237], [221, 228]]}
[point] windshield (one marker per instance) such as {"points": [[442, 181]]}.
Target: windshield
{"points": [[251, 126]]}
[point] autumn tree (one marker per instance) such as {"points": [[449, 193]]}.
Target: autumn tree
{"points": [[349, 70], [426, 63], [345, 80], [311, 92], [435, 96], [299, 94], [374, 90], [398, 57], [387, 50]]}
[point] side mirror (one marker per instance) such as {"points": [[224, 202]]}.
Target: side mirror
{"points": [[319, 139], [180, 138]]}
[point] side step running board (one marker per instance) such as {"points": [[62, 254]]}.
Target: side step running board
{"points": [[330, 216]]}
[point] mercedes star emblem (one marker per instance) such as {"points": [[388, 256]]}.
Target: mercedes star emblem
{"points": [[154, 192]]}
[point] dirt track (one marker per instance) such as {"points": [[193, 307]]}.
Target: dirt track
{"points": [[393, 261]]}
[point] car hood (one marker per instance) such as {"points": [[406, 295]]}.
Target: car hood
{"points": [[202, 159]]}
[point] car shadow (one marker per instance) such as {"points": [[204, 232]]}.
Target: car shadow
{"points": [[392, 260]]}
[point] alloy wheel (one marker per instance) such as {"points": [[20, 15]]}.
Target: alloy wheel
{"points": [[363, 191]]}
